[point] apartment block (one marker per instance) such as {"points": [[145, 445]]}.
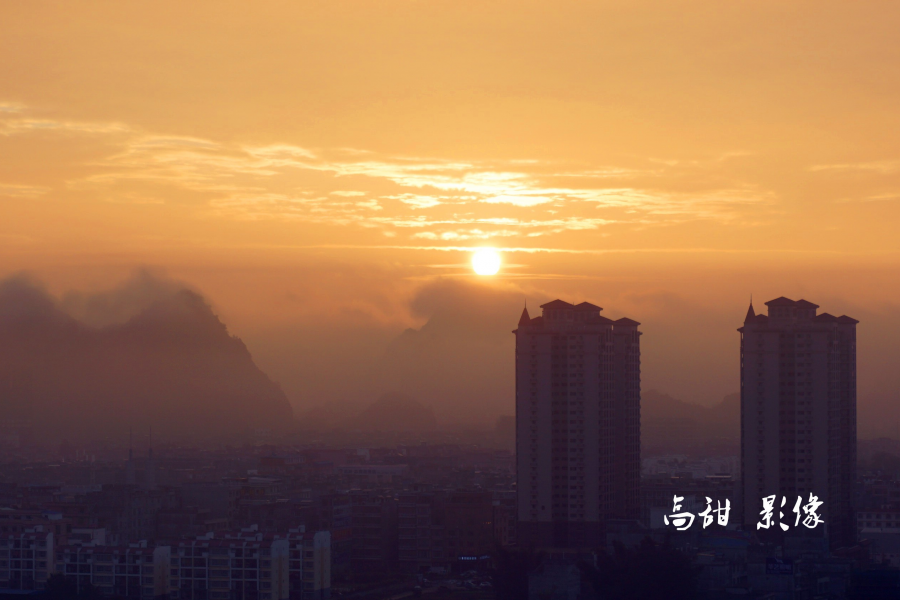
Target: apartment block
{"points": [[577, 424], [798, 413]]}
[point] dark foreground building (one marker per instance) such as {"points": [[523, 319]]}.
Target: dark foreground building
{"points": [[798, 415], [578, 395]]}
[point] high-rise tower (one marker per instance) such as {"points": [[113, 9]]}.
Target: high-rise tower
{"points": [[578, 394], [798, 413]]}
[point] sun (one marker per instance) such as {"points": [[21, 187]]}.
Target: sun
{"points": [[486, 261]]}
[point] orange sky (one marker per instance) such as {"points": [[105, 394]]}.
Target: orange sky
{"points": [[318, 162]]}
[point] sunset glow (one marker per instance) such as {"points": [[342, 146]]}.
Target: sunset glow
{"points": [[486, 261], [313, 164]]}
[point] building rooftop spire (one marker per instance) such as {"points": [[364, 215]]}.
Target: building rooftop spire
{"points": [[525, 318], [750, 312]]}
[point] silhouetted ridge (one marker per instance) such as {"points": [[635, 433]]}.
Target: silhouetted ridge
{"points": [[173, 366], [184, 318], [24, 306]]}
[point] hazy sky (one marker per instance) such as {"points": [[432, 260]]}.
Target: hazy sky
{"points": [[313, 167]]}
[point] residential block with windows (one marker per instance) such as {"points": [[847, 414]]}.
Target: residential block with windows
{"points": [[578, 400], [250, 565], [798, 413], [26, 559], [130, 571]]}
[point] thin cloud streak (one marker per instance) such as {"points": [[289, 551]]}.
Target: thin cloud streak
{"points": [[22, 191], [538, 250], [881, 166]]}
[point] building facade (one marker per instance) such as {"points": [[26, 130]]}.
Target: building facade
{"points": [[26, 559], [132, 571], [250, 565], [309, 566], [332, 512], [373, 518], [885, 520], [578, 400], [440, 530], [798, 414]]}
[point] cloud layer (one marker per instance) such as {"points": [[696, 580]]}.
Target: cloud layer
{"points": [[411, 197]]}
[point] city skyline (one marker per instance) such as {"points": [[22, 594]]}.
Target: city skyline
{"points": [[303, 300]]}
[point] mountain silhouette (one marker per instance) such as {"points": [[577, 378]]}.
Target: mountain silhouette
{"points": [[173, 366], [394, 412], [460, 362]]}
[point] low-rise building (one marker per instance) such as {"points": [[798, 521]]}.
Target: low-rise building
{"points": [[245, 566], [309, 566], [132, 571], [439, 528], [878, 520], [251, 565], [26, 559]]}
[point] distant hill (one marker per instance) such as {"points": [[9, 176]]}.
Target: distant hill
{"points": [[173, 367], [669, 425], [394, 412]]}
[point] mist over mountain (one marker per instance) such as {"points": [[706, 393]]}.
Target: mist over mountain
{"points": [[165, 361], [152, 352], [461, 361], [461, 364]]}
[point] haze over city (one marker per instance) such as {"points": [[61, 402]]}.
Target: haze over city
{"points": [[449, 298]]}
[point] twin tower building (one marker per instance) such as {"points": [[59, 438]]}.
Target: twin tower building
{"points": [[578, 421]]}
